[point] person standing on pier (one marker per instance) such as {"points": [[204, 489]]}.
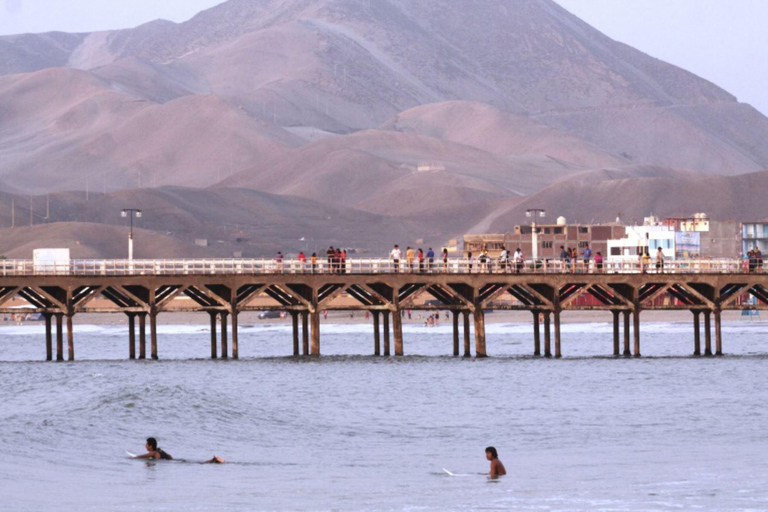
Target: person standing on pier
{"points": [[313, 262], [445, 260], [279, 262], [659, 261], [587, 255], [421, 260], [497, 468], [564, 258], [331, 254], [302, 262], [395, 256], [599, 261], [430, 260], [409, 257]]}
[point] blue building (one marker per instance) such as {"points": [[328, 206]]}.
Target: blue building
{"points": [[754, 234]]}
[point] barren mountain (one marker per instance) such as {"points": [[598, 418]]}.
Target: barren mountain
{"points": [[343, 102]]}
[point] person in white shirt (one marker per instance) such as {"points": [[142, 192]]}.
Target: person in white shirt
{"points": [[504, 260], [518, 257], [395, 256]]}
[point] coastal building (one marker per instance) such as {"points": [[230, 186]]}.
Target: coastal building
{"points": [[754, 234], [549, 238]]}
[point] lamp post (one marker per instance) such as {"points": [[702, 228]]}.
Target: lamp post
{"points": [[131, 212], [534, 213]]}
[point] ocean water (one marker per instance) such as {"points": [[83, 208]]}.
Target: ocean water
{"points": [[350, 431]]}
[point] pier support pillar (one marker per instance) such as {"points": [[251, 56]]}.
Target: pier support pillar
{"points": [[718, 334], [616, 350], [315, 320], [59, 336], [696, 333], [214, 340], [547, 337], [467, 347], [480, 349], [707, 333], [48, 337], [70, 338], [376, 335], [142, 335], [153, 334], [558, 352], [235, 341], [455, 333], [131, 336], [636, 330], [626, 334], [386, 332], [224, 336], [295, 321], [536, 333], [397, 331], [305, 332]]}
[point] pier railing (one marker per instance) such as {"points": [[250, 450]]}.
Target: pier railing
{"points": [[12, 268]]}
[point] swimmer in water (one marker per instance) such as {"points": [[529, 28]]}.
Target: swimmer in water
{"points": [[153, 452], [497, 468], [215, 460]]}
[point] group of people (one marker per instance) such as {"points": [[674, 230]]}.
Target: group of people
{"points": [[417, 259], [755, 260], [156, 453]]}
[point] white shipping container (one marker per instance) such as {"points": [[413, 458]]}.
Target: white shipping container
{"points": [[50, 261]]}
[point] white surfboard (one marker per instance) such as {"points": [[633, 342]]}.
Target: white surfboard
{"points": [[131, 455], [451, 474]]}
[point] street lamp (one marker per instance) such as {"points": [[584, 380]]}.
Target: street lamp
{"points": [[534, 213], [131, 212]]}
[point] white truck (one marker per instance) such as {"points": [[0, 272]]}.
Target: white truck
{"points": [[51, 261]]}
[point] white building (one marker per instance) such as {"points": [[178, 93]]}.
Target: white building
{"points": [[646, 238]]}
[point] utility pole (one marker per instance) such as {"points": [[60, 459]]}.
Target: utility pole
{"points": [[130, 212], [533, 213]]}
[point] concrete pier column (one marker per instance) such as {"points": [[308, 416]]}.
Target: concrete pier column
{"points": [[131, 336], [467, 347], [696, 333], [536, 333], [295, 319], [142, 335], [59, 336], [386, 332], [547, 337], [153, 334], [214, 338], [707, 333], [397, 331], [636, 330], [480, 349], [558, 352], [70, 338], [224, 336], [455, 333], [235, 341], [315, 321], [305, 332], [616, 350], [627, 352], [718, 334], [48, 337], [376, 334]]}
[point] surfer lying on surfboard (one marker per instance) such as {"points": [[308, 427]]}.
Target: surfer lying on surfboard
{"points": [[153, 452], [497, 468]]}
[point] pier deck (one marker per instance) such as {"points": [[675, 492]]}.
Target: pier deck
{"points": [[143, 290]]}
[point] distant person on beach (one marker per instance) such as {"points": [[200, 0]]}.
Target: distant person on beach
{"points": [[497, 468], [153, 452]]}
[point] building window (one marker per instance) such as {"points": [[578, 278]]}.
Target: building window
{"points": [[558, 231], [583, 244], [546, 245], [584, 229], [615, 251], [547, 231]]}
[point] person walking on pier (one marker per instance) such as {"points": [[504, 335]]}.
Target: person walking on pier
{"points": [[659, 261], [519, 259], [497, 468], [409, 257], [586, 255], [395, 256], [430, 260]]}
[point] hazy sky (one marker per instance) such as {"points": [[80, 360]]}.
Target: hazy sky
{"points": [[725, 41]]}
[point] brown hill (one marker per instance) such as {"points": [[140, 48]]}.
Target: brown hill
{"points": [[664, 193]]}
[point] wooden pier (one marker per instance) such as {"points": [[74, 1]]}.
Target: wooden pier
{"points": [[224, 289]]}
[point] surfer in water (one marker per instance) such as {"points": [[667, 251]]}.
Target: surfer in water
{"points": [[497, 468], [153, 452]]}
